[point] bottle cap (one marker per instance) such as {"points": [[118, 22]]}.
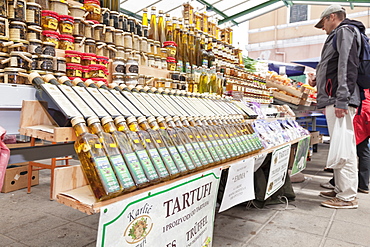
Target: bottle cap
{"points": [[106, 119], [161, 119], [77, 120], [119, 119], [91, 120], [141, 119], [151, 119], [130, 119]]}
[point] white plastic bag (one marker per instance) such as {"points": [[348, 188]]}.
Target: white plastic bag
{"points": [[342, 140]]}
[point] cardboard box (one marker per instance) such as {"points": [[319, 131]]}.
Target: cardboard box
{"points": [[16, 177], [315, 137]]}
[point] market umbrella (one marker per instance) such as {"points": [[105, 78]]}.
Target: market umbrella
{"points": [[310, 62]]}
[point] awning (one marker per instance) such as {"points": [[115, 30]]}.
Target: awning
{"points": [[310, 62], [290, 69]]}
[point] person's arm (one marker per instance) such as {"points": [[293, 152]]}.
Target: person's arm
{"points": [[348, 62]]}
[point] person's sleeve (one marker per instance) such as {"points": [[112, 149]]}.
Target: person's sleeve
{"points": [[348, 62]]}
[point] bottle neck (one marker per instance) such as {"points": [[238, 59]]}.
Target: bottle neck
{"points": [[154, 125], [133, 126], [144, 125], [192, 123], [171, 124], [80, 129], [122, 126], [109, 127], [163, 125], [96, 128]]}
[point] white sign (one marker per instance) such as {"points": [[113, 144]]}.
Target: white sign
{"points": [[278, 169], [240, 184], [177, 214]]}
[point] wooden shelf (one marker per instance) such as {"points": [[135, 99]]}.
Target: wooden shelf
{"points": [[76, 193]]}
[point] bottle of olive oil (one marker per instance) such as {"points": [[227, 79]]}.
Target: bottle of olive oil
{"points": [[161, 146], [139, 149], [144, 20], [193, 139], [113, 154], [232, 136], [161, 27], [200, 140], [186, 142], [153, 31], [149, 145], [94, 162], [123, 143], [237, 138], [175, 145]]}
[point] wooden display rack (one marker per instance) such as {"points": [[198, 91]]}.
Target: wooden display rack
{"points": [[36, 122], [72, 189]]}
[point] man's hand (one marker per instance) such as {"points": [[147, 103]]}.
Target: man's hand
{"points": [[311, 79], [339, 113]]}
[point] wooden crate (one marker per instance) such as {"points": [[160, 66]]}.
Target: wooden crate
{"points": [[287, 89], [286, 98]]}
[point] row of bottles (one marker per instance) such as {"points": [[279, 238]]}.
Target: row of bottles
{"points": [[130, 152]]}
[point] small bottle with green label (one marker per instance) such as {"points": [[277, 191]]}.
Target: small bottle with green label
{"points": [[176, 157], [130, 157], [242, 140], [113, 154], [150, 147], [138, 148], [94, 162], [160, 144], [231, 134]]}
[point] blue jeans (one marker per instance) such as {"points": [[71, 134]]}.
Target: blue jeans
{"points": [[363, 153]]}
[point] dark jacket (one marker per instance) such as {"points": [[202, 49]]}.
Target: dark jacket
{"points": [[336, 74]]}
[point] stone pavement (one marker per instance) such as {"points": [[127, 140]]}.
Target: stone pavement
{"points": [[33, 220]]}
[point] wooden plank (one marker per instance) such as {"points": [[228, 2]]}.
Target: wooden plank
{"points": [[286, 98], [145, 70], [35, 113], [61, 134], [68, 178], [285, 88], [95, 207]]}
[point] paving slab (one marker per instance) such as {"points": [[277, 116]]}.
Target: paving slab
{"points": [[250, 214], [350, 232], [337, 243]]}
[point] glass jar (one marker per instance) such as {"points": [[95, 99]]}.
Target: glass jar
{"points": [[79, 45], [17, 10], [114, 19], [128, 53], [109, 33], [35, 61], [163, 53], [101, 49], [89, 31], [1, 76], [66, 42], [48, 48], [60, 64], [131, 80], [158, 62], [3, 9], [77, 11], [141, 80], [59, 6], [98, 32], [111, 51], [88, 58], [105, 15], [151, 47], [90, 46], [19, 46], [131, 25], [102, 60], [34, 32], [144, 59], [170, 47], [120, 51], [168, 83], [73, 57], [4, 27], [136, 43], [127, 37], [74, 70], [33, 14], [4, 58], [171, 64], [143, 44], [52, 37], [35, 46], [45, 62], [161, 82], [17, 30], [66, 24], [15, 76], [20, 60], [85, 72], [121, 19], [118, 38], [164, 63], [97, 71], [119, 79], [119, 66], [93, 9], [132, 66], [157, 47], [49, 20], [151, 61]]}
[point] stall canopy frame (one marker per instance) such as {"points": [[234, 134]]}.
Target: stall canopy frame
{"points": [[226, 11]]}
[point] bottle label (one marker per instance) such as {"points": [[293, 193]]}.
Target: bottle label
{"points": [[121, 171], [223, 148], [205, 62], [161, 168], [136, 169], [229, 148], [106, 174], [177, 159], [200, 153], [147, 164], [233, 146], [168, 160], [213, 151], [179, 65], [239, 144], [184, 154], [218, 150], [206, 152], [193, 154]]}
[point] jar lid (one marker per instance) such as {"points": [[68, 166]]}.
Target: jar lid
{"points": [[92, 1], [15, 70], [35, 56], [67, 37], [34, 28], [1, 71], [49, 32], [89, 54], [156, 42], [119, 58], [78, 18], [71, 52], [166, 43], [114, 13], [94, 22], [49, 12], [103, 57], [98, 25], [66, 17], [40, 72], [19, 41], [46, 56], [96, 66], [34, 4], [133, 58], [73, 65], [76, 7], [48, 43], [35, 41], [61, 58], [4, 54], [90, 40], [18, 53], [17, 23]]}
